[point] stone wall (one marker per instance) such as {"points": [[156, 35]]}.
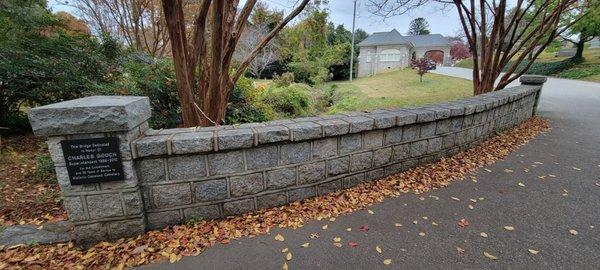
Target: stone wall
{"points": [[214, 172]]}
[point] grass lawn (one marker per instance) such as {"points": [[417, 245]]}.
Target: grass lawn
{"points": [[589, 70], [399, 88]]}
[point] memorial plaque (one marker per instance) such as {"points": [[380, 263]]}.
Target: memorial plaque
{"points": [[93, 160]]}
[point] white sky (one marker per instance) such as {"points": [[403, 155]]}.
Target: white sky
{"points": [[443, 22]]}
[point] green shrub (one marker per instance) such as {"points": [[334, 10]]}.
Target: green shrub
{"points": [[290, 101], [245, 106], [580, 72], [283, 80], [44, 170], [548, 68]]}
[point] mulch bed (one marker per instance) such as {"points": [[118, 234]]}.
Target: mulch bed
{"points": [[189, 240], [26, 196]]}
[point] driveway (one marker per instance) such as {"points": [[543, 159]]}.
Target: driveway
{"points": [[560, 171]]}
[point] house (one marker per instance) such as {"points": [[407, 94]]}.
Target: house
{"points": [[385, 51]]}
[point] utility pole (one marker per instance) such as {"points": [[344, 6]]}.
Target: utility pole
{"points": [[353, 34]]}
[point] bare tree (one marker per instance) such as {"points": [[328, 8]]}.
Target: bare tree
{"points": [[499, 39], [248, 41], [203, 61], [138, 23]]}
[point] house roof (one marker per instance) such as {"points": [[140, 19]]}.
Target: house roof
{"points": [[384, 38], [394, 38], [428, 40]]}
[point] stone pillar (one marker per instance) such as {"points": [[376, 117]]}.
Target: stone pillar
{"points": [[104, 210], [536, 80]]}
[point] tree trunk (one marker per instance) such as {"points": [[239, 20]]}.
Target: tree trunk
{"points": [[580, 46]]}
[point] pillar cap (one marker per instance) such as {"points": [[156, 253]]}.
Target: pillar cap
{"points": [[95, 114], [533, 79]]}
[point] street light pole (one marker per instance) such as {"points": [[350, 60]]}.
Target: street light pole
{"points": [[353, 34]]}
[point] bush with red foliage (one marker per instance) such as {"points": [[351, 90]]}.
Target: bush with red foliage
{"points": [[422, 65], [459, 51]]}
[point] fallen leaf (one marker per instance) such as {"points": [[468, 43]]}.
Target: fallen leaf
{"points": [[378, 249], [463, 223], [285, 250], [387, 261], [573, 232], [324, 227], [338, 244], [305, 245], [508, 170], [460, 250], [314, 235], [487, 170], [370, 212], [348, 229], [285, 266], [489, 256], [398, 225], [471, 207], [332, 219], [425, 218], [434, 223], [454, 198], [521, 184], [509, 228], [288, 256], [352, 244], [577, 169], [364, 228], [484, 235], [337, 239], [421, 234], [415, 222], [279, 238], [533, 251]]}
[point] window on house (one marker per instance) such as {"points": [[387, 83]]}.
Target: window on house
{"points": [[391, 55]]}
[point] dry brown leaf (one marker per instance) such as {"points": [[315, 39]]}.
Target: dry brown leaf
{"points": [[279, 238], [378, 249], [305, 245], [325, 227], [509, 228], [337, 239], [489, 256], [573, 232], [484, 235], [387, 261], [533, 251], [285, 266], [288, 256]]}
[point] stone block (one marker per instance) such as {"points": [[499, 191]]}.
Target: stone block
{"points": [[104, 206], [428, 130], [271, 200], [418, 148], [272, 133], [353, 180], [330, 187], [443, 126], [90, 233], [301, 194], [151, 170], [375, 174], [192, 142], [435, 144], [405, 117], [126, 228], [359, 123], [383, 120], [94, 114], [165, 196], [295, 153], [311, 173], [338, 166], [281, 178], [423, 115], [211, 190], [334, 127], [246, 184], [235, 139], [448, 141], [262, 157], [225, 163], [394, 168], [373, 139], [152, 145], [161, 220], [393, 136], [456, 124], [411, 133], [186, 167], [361, 161], [238, 207], [350, 143], [55, 150], [74, 208], [324, 148], [205, 212], [401, 152], [133, 203], [305, 131], [382, 156]]}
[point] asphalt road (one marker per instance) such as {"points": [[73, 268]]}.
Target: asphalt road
{"points": [[542, 211]]}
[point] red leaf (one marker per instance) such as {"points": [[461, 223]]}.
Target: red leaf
{"points": [[352, 244], [463, 223], [364, 228]]}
